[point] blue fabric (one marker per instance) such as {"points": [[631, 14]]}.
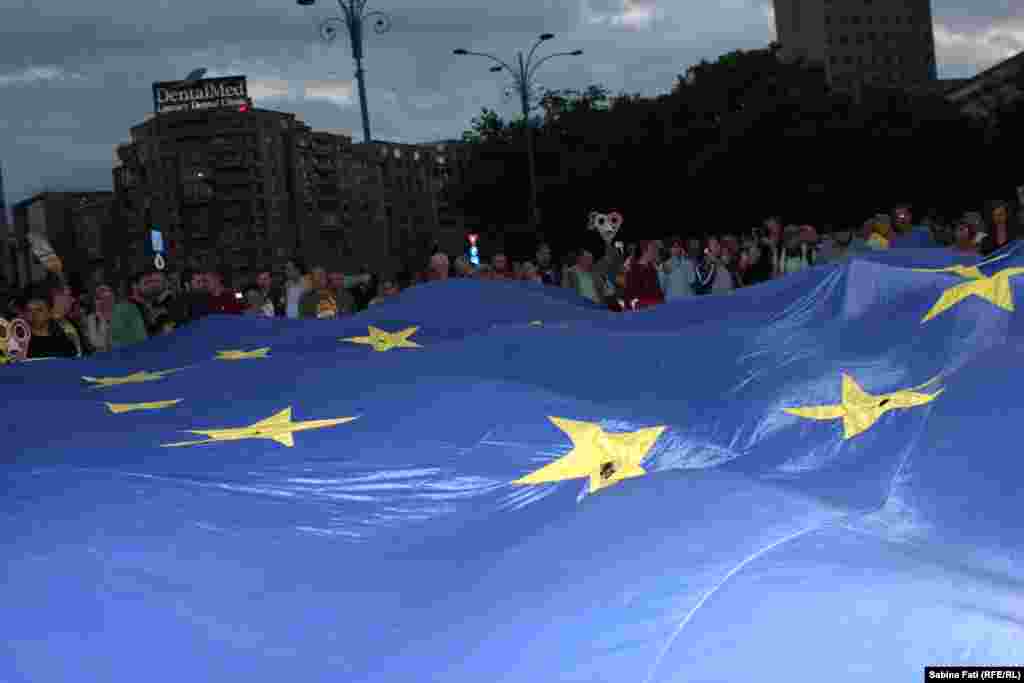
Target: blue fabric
{"points": [[919, 237], [759, 545]]}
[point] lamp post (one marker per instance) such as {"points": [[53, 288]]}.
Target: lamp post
{"points": [[354, 16], [522, 75]]}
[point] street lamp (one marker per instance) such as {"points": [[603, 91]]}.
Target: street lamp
{"points": [[523, 75], [354, 15]]}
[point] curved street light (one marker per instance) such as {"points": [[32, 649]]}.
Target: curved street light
{"points": [[523, 75], [353, 18]]}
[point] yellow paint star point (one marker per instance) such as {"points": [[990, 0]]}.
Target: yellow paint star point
{"points": [[118, 408], [278, 427], [243, 355], [859, 410], [133, 378], [382, 340], [603, 458], [995, 289]]}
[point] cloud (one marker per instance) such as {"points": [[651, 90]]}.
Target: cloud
{"points": [[978, 47], [629, 14], [37, 74], [338, 92], [83, 72]]}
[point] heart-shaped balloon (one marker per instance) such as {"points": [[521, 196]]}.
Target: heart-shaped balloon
{"points": [[14, 338], [607, 224]]}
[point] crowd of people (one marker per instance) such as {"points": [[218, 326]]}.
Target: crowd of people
{"points": [[69, 323]]}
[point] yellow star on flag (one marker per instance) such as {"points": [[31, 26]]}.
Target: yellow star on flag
{"points": [[995, 289], [603, 457], [134, 378], [118, 408], [242, 355], [382, 340], [969, 272], [278, 427], [859, 410]]}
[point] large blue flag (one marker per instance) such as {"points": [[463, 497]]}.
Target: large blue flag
{"points": [[814, 478]]}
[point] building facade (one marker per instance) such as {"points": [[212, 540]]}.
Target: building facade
{"points": [[238, 189], [75, 223], [885, 43], [995, 87]]}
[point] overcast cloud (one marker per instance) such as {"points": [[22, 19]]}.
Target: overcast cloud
{"points": [[74, 77]]}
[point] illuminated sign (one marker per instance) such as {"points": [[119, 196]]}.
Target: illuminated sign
{"points": [[207, 93]]}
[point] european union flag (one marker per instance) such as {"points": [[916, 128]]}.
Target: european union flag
{"points": [[815, 478]]}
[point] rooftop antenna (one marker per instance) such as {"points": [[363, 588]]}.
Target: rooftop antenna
{"points": [[195, 75]]}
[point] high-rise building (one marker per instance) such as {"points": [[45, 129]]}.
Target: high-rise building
{"points": [[75, 223], [236, 188], [888, 43]]}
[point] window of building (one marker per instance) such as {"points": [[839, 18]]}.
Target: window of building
{"points": [[848, 59], [844, 20], [855, 21], [883, 20], [828, 21], [844, 40], [872, 36], [860, 38]]}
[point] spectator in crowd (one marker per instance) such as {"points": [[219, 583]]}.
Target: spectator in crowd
{"points": [[677, 273], [863, 237], [550, 273], [256, 303], [501, 269], [296, 285], [463, 268], [48, 338], [222, 299], [767, 239], [99, 323], [710, 274], [797, 253], [529, 273], [63, 306], [842, 242], [905, 233], [584, 281], [387, 288], [271, 295], [439, 267], [340, 284], [195, 301], [881, 233], [127, 324], [642, 287], [320, 301], [569, 263], [964, 236], [152, 296], [1002, 228]]}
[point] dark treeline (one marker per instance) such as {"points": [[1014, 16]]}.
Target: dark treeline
{"points": [[734, 141]]}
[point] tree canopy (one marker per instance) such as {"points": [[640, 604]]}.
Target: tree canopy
{"points": [[736, 139]]}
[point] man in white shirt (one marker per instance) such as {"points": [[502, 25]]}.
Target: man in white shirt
{"points": [[296, 286], [676, 275]]}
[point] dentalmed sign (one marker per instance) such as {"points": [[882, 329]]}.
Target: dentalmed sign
{"points": [[207, 93]]}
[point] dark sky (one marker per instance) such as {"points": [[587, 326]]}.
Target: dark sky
{"points": [[75, 76]]}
